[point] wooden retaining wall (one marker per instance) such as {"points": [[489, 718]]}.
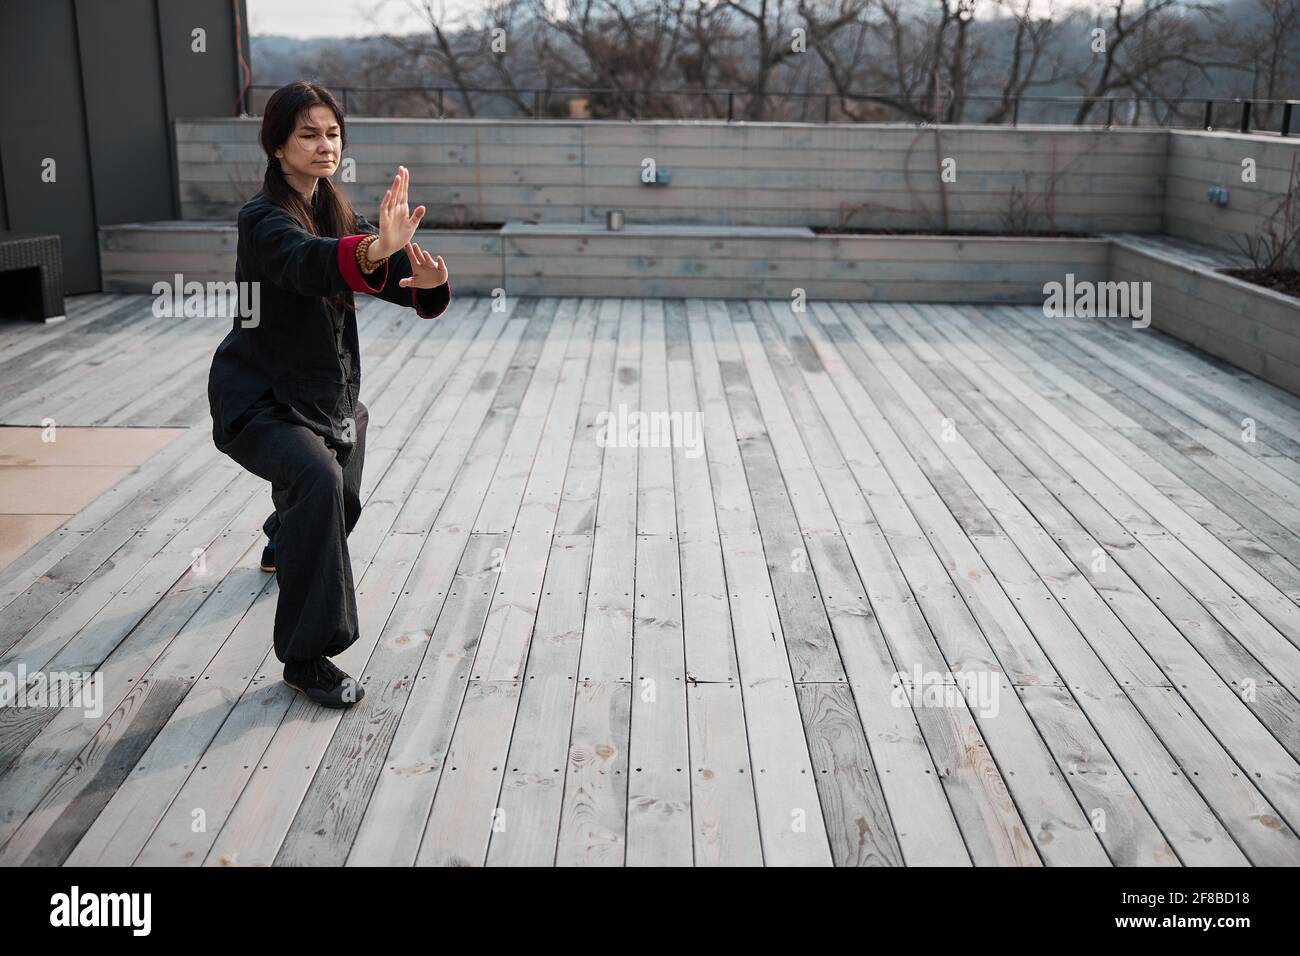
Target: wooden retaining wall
{"points": [[774, 174], [1254, 328], [1199, 160]]}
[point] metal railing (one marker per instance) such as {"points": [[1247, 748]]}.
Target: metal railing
{"points": [[1251, 115]]}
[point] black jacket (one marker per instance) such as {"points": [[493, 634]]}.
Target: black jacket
{"points": [[302, 347]]}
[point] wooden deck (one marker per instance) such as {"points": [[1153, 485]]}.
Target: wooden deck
{"points": [[636, 654]]}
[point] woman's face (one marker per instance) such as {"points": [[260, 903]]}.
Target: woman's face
{"points": [[315, 146]]}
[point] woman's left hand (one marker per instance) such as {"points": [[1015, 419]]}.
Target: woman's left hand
{"points": [[427, 272]]}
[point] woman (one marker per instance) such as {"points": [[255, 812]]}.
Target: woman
{"points": [[283, 384]]}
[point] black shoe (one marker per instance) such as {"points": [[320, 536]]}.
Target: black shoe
{"points": [[323, 682], [268, 558]]}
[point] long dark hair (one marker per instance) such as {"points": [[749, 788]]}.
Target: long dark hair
{"points": [[329, 213]]}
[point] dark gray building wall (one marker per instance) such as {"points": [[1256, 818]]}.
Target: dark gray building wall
{"points": [[125, 110], [95, 85], [42, 118]]}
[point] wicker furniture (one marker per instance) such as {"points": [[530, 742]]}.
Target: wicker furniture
{"points": [[31, 276]]}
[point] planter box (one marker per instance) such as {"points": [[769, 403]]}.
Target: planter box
{"points": [[133, 256], [1252, 327], [657, 260], [770, 262]]}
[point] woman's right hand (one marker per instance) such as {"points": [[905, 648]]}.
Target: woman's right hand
{"points": [[397, 224]]}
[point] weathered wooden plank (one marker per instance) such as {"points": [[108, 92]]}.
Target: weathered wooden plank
{"points": [[1046, 803], [140, 802], [532, 790], [593, 822], [723, 804], [659, 826], [1056, 635], [459, 831], [706, 617], [265, 815], [778, 747], [465, 810], [327, 823], [1239, 806], [853, 805], [1172, 463], [607, 638], [415, 760], [822, 470]]}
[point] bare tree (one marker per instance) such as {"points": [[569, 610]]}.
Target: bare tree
{"points": [[1265, 41], [707, 59], [447, 50], [1029, 46], [1273, 52], [847, 44], [770, 45], [618, 46], [870, 60], [1151, 38]]}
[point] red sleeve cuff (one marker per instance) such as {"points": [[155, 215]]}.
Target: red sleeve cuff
{"points": [[352, 273], [441, 296]]}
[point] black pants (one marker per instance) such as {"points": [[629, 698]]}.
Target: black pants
{"points": [[315, 487]]}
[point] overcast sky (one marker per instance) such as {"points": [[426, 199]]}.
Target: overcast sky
{"points": [[342, 18]]}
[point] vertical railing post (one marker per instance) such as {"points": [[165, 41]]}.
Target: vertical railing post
{"points": [[827, 117], [1286, 117], [537, 104], [1245, 116], [1209, 114], [1110, 112], [1015, 112], [442, 109], [731, 104]]}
